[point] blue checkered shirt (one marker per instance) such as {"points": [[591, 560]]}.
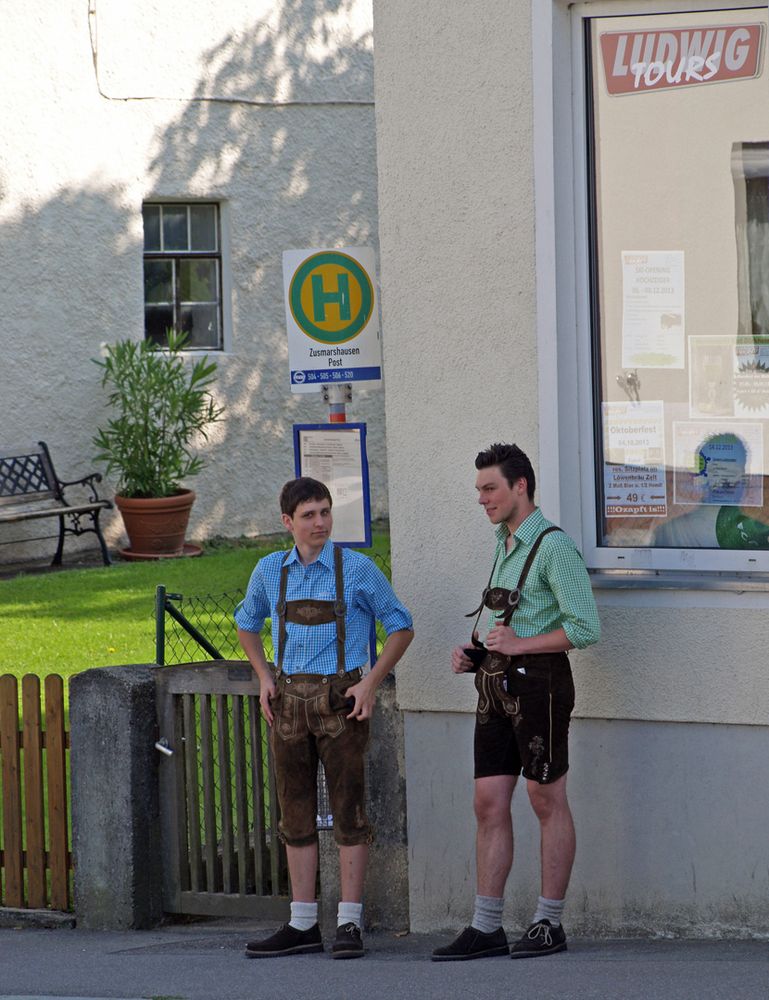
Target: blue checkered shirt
{"points": [[311, 649]]}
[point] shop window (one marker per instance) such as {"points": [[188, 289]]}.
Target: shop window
{"points": [[678, 149], [183, 272]]}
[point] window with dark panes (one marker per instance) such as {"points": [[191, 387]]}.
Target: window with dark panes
{"points": [[183, 273], [678, 136]]}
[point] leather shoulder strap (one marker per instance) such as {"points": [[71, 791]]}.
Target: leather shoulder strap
{"points": [[524, 573], [281, 609], [340, 609], [532, 553]]}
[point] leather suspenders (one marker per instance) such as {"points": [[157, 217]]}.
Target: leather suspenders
{"points": [[502, 599], [308, 611]]}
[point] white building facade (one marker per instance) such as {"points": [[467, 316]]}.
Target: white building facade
{"points": [[573, 233]]}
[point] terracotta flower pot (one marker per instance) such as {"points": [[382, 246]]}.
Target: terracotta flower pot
{"points": [[156, 526]]}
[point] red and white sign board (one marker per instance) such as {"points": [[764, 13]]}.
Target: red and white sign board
{"points": [[639, 61]]}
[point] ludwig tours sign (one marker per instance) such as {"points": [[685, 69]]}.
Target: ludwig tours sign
{"points": [[640, 61]]}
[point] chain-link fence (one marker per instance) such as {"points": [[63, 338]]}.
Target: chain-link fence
{"points": [[189, 628]]}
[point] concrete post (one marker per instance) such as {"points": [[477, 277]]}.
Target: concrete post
{"points": [[115, 814]]}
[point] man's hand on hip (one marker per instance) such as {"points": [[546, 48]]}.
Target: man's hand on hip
{"points": [[460, 663], [267, 691], [364, 693]]}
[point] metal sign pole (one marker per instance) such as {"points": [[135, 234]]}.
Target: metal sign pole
{"points": [[337, 395]]}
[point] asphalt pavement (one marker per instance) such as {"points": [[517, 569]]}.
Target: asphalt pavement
{"points": [[205, 961]]}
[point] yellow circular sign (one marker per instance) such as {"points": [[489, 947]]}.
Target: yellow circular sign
{"points": [[331, 297]]}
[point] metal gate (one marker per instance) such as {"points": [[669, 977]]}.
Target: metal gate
{"points": [[219, 812]]}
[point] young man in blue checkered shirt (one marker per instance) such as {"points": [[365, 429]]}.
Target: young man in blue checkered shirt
{"points": [[317, 701]]}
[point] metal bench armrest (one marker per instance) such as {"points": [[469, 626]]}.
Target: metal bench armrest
{"points": [[88, 481]]}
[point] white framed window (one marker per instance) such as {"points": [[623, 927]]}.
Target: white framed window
{"points": [[671, 186], [183, 272]]}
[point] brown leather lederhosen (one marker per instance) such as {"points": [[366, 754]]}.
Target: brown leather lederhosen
{"points": [[493, 670], [310, 724]]}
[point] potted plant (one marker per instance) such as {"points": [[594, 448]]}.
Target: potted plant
{"points": [[162, 404]]}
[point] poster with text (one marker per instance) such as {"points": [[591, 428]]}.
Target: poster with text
{"points": [[634, 459], [653, 309], [718, 462], [729, 377], [336, 455]]}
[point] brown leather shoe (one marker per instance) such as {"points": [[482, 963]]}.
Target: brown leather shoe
{"points": [[540, 939], [472, 943], [348, 943], [286, 941]]}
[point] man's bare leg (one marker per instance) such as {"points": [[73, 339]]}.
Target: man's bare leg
{"points": [[557, 837], [494, 835], [349, 917], [485, 938], [352, 871], [303, 872], [546, 936]]}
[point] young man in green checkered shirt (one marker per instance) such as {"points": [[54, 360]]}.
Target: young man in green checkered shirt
{"points": [[541, 606]]}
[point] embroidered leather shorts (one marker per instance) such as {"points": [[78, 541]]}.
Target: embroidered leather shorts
{"points": [[522, 720], [310, 724]]}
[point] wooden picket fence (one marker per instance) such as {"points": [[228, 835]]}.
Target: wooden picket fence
{"points": [[35, 860]]}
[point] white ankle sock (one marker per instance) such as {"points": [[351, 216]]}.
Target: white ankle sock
{"points": [[349, 913], [303, 916], [549, 909], [487, 915]]}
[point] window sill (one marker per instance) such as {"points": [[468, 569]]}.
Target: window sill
{"points": [[624, 579]]}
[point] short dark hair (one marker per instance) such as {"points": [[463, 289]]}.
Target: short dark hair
{"points": [[301, 490], [513, 463]]}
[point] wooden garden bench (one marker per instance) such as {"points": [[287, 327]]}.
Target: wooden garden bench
{"points": [[30, 489]]}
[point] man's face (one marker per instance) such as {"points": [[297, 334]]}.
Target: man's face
{"points": [[501, 501], [310, 523]]}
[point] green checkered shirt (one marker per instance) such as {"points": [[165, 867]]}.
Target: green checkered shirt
{"points": [[557, 591]]}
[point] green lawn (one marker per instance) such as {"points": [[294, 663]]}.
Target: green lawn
{"points": [[66, 622]]}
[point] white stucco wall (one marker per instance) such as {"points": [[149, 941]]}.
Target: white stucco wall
{"points": [[458, 295], [470, 347], [456, 151], [266, 107]]}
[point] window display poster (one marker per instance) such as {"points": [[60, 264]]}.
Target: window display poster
{"points": [[336, 455], [729, 377], [653, 309], [718, 462], [711, 376], [634, 459], [751, 377]]}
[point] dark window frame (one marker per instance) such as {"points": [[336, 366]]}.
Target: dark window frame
{"points": [[176, 257]]}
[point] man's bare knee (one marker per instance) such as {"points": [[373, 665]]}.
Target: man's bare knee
{"points": [[492, 798], [546, 800]]}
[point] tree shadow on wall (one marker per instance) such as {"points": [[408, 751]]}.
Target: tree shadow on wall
{"points": [[69, 268], [294, 174]]}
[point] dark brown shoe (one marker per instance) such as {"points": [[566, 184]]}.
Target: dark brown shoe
{"points": [[348, 943], [473, 943], [286, 941], [540, 939]]}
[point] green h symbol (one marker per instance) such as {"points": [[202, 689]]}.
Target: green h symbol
{"points": [[341, 296]]}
